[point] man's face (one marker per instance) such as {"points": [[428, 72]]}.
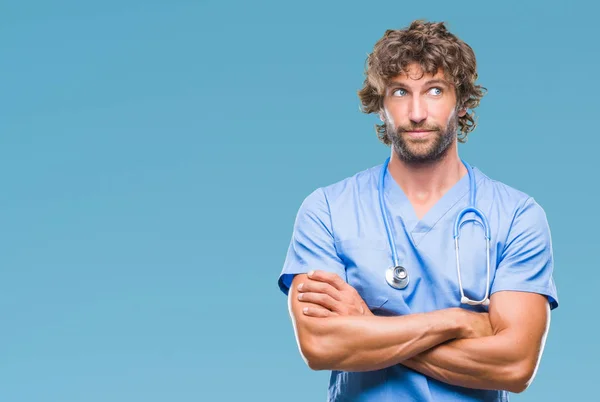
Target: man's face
{"points": [[419, 111]]}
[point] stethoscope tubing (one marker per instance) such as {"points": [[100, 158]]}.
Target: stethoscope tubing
{"points": [[400, 284]]}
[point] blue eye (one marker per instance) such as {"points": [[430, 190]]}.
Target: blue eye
{"points": [[435, 91], [399, 92]]}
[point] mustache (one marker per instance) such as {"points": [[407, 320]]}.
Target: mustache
{"points": [[417, 128]]}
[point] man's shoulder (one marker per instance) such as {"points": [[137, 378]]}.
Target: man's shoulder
{"points": [[359, 181], [350, 188], [500, 193]]}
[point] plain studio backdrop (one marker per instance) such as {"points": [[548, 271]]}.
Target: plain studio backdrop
{"points": [[154, 155]]}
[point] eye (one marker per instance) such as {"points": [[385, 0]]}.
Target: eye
{"points": [[399, 92], [435, 91]]}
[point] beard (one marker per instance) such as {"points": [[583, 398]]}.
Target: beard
{"points": [[418, 151]]}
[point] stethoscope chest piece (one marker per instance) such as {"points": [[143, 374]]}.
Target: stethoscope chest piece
{"points": [[397, 277]]}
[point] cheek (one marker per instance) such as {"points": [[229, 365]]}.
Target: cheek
{"points": [[394, 114], [442, 115], [451, 116], [389, 117]]}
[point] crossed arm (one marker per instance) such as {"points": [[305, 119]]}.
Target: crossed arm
{"points": [[500, 350]]}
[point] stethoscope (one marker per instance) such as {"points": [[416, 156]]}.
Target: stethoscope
{"points": [[397, 276]]}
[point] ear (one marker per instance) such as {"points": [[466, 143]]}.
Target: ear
{"points": [[381, 116], [462, 112]]}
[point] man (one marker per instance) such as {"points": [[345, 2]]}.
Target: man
{"points": [[434, 326]]}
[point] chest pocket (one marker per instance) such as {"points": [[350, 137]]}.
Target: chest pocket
{"points": [[366, 261]]}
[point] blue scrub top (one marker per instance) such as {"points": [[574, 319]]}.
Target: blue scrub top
{"points": [[340, 229]]}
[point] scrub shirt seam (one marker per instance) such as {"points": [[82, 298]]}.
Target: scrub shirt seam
{"points": [[328, 213], [514, 217], [535, 289], [333, 237]]}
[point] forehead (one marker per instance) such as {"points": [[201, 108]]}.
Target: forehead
{"points": [[414, 74]]}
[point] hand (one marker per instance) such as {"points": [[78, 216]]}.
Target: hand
{"points": [[476, 325], [330, 295]]}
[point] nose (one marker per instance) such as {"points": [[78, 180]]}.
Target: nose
{"points": [[418, 110]]}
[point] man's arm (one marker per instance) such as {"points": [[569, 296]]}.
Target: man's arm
{"points": [[367, 342], [522, 293], [508, 359]]}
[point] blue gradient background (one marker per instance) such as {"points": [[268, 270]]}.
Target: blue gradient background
{"points": [[154, 155]]}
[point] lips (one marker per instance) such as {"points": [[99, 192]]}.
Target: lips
{"points": [[418, 133]]}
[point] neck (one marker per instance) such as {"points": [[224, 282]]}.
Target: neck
{"points": [[427, 182]]}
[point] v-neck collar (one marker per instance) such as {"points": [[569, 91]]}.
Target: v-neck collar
{"points": [[398, 202]]}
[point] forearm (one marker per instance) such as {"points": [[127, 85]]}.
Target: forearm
{"points": [[492, 362], [365, 343]]}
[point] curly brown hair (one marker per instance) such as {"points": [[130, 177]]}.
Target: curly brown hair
{"points": [[432, 46]]}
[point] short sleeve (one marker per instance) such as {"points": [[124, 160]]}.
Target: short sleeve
{"points": [[527, 262], [312, 245]]}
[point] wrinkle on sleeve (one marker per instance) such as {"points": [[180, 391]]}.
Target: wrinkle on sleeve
{"points": [[312, 245], [527, 261]]}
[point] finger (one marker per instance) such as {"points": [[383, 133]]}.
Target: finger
{"points": [[327, 277], [321, 299], [315, 311], [319, 287]]}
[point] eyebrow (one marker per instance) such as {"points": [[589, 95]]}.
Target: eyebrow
{"points": [[436, 81]]}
